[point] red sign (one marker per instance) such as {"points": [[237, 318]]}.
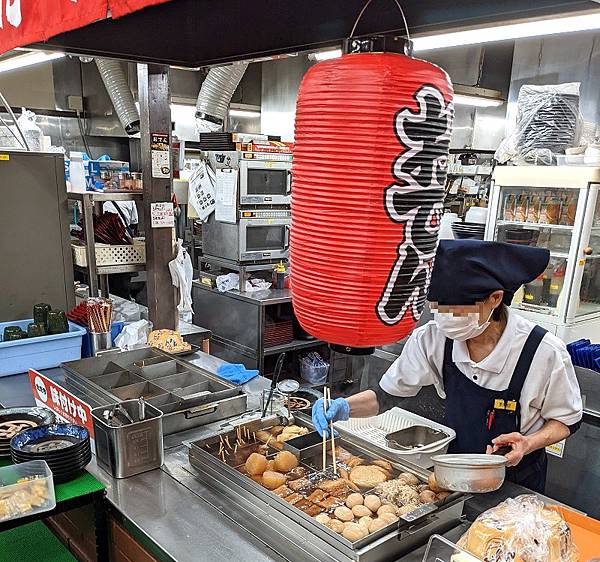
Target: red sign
{"points": [[23, 22], [67, 407]]}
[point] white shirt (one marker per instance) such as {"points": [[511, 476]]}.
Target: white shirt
{"points": [[550, 392], [128, 208]]}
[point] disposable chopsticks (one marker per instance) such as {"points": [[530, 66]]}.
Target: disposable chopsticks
{"points": [[326, 403]]}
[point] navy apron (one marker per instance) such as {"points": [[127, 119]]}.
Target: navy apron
{"points": [[479, 415]]}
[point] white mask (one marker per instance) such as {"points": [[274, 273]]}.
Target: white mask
{"points": [[460, 328]]}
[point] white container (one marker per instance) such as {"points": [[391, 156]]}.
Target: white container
{"points": [[477, 215], [375, 429], [26, 489], [446, 226]]}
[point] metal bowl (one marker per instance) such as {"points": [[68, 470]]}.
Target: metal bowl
{"points": [[478, 474]]}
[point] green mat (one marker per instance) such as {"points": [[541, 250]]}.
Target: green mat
{"points": [[32, 543]]}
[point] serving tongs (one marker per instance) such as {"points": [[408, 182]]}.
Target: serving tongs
{"points": [[274, 381]]}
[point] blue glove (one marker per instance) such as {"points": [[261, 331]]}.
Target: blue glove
{"points": [[236, 373], [339, 410]]}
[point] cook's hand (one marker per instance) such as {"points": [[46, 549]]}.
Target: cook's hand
{"points": [[517, 442], [339, 410]]}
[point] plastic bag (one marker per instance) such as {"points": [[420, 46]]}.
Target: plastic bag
{"points": [[182, 273], [32, 133], [134, 335], [231, 282], [521, 530], [313, 368], [548, 122]]}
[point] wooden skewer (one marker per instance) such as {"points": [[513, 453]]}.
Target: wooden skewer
{"points": [[227, 441], [335, 470], [325, 406]]}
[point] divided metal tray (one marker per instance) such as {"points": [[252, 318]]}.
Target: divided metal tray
{"points": [[280, 521], [187, 396]]}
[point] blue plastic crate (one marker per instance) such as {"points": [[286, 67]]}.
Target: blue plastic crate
{"points": [[44, 352]]}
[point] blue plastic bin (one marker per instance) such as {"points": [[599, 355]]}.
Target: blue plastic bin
{"points": [[44, 352]]}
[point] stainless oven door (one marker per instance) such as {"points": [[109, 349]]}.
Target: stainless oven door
{"points": [[264, 239], [265, 182]]}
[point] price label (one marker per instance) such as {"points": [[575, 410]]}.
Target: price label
{"points": [[162, 215]]}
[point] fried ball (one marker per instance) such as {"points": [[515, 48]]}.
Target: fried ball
{"points": [[386, 509], [409, 478], [343, 513], [270, 465], [336, 525], [361, 511], [323, 518], [372, 502], [354, 532], [427, 496], [365, 522], [354, 499], [285, 461], [256, 464], [272, 480], [389, 517], [441, 496], [377, 524], [433, 484]]}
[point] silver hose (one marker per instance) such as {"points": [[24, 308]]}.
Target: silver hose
{"points": [[120, 94], [215, 95]]}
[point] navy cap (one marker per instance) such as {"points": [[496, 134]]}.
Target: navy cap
{"points": [[468, 271]]}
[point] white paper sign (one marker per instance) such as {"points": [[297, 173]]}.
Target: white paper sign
{"points": [[226, 195], [201, 194], [162, 215]]}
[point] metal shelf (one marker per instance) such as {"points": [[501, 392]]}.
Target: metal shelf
{"points": [[110, 269], [106, 195], [535, 225], [294, 345]]}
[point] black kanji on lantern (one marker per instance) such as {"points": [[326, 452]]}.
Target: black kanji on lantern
{"points": [[416, 201]]}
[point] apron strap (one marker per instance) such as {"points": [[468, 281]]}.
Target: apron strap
{"points": [[448, 346], [524, 362]]}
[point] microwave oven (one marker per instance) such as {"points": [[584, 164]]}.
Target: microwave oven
{"points": [[265, 182], [257, 235]]}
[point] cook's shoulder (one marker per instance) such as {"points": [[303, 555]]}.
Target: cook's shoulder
{"points": [[550, 343]]}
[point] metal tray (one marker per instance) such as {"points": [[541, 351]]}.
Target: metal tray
{"points": [[187, 395], [305, 532], [414, 436]]}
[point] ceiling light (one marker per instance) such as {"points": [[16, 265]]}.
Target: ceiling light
{"points": [[244, 113], [326, 55], [29, 59], [477, 96], [536, 28]]}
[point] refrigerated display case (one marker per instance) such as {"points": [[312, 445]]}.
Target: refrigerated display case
{"points": [[558, 208]]}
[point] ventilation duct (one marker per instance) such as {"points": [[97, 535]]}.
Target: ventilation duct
{"points": [[215, 95], [117, 87]]}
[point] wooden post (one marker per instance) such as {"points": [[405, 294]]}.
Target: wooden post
{"points": [[155, 118]]}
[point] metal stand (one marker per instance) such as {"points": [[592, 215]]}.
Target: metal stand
{"points": [[241, 268]]}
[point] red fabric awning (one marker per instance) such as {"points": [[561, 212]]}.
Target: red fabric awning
{"points": [[23, 22]]}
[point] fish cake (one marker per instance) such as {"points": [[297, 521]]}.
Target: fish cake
{"points": [[367, 476], [330, 502], [317, 496], [334, 487], [293, 498], [282, 491]]}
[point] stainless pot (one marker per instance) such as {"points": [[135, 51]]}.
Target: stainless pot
{"points": [[477, 474]]}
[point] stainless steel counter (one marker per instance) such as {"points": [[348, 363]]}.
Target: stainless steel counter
{"points": [[269, 296], [186, 520]]}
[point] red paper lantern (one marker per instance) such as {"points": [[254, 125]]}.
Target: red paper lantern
{"points": [[371, 149]]}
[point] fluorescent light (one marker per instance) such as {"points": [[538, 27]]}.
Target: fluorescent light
{"points": [[244, 113], [29, 59], [536, 28], [326, 55], [476, 101]]}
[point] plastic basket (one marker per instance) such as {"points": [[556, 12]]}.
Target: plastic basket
{"points": [[44, 352], [375, 429], [112, 255]]}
